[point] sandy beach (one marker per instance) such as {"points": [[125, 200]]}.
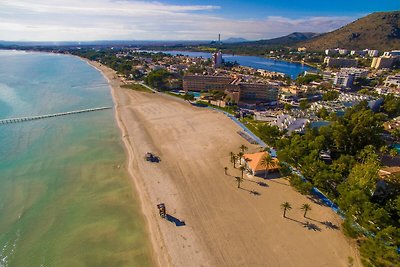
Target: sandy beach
{"points": [[220, 225]]}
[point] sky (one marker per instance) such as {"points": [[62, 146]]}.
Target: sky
{"points": [[89, 20]]}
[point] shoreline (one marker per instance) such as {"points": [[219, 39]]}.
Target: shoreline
{"points": [[153, 232]]}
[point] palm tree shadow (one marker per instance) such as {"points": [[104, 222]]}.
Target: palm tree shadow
{"points": [[330, 225], [327, 224], [252, 192], [294, 220], [312, 226], [263, 184]]}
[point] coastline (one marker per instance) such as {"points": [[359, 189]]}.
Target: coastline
{"points": [[154, 235]]}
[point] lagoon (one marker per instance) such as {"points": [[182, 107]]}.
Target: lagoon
{"points": [[292, 69]]}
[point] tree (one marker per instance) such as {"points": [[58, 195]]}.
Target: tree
{"points": [[285, 206], [396, 133], [393, 152], [240, 155], [267, 161], [306, 79], [330, 96], [235, 158], [305, 207], [287, 106], [322, 113], [384, 149], [232, 156], [188, 97], [269, 133], [226, 170], [239, 180], [303, 104], [243, 148], [242, 169]]}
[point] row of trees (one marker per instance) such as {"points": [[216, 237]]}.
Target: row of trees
{"points": [[286, 206]]}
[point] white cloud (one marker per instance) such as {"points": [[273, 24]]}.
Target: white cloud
{"points": [[59, 20]]}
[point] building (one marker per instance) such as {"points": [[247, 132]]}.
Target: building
{"points": [[340, 62], [258, 93], [373, 53], [344, 80], [343, 51], [382, 62], [358, 52], [290, 123], [358, 72], [393, 81], [253, 93], [256, 166], [198, 83], [217, 59], [393, 53], [331, 52], [301, 49]]}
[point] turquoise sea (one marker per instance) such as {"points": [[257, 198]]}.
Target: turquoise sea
{"points": [[65, 198]]}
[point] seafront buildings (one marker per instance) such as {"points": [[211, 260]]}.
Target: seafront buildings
{"points": [[237, 90]]}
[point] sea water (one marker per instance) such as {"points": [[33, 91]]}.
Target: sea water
{"points": [[65, 197]]}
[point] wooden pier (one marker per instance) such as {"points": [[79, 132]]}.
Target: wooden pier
{"points": [[22, 119]]}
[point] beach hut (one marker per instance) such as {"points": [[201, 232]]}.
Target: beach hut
{"points": [[255, 163]]}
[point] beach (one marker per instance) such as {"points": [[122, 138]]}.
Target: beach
{"points": [[212, 222]]}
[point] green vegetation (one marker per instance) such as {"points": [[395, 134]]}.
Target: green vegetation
{"points": [[285, 206], [330, 95], [303, 104], [322, 113], [351, 179], [305, 208], [307, 79], [267, 161], [137, 87], [391, 105], [160, 79]]}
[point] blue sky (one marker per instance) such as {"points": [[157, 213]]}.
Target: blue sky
{"points": [[295, 8], [85, 20]]}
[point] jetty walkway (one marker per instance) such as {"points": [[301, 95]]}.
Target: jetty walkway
{"points": [[22, 119]]}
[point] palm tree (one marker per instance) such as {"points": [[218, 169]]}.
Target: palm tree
{"points": [[285, 206], [267, 161], [242, 168], [234, 160], [305, 207], [239, 157], [232, 155], [239, 180], [243, 148], [226, 170]]}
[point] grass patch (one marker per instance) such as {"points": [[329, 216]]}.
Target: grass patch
{"points": [[137, 87], [175, 95]]}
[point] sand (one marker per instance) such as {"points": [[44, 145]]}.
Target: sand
{"points": [[224, 225]]}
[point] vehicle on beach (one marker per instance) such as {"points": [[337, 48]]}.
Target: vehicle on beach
{"points": [[161, 210], [151, 157]]}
